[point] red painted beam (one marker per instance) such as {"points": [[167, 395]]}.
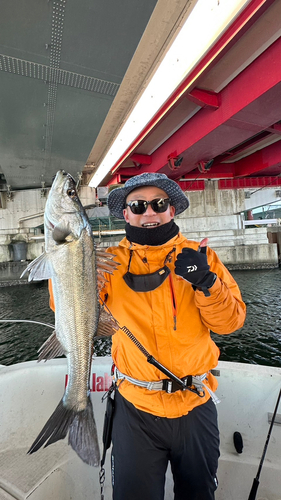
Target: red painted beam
{"points": [[223, 170], [192, 185], [204, 98], [127, 172], [265, 158], [260, 160], [141, 159], [264, 74], [249, 182], [244, 146], [241, 183], [116, 179], [275, 129], [240, 23]]}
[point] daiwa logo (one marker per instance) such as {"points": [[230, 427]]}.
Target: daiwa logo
{"points": [[191, 269], [97, 383]]}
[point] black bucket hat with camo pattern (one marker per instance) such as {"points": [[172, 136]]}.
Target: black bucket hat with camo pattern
{"points": [[117, 197]]}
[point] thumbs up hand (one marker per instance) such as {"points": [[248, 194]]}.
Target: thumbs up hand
{"points": [[193, 266]]}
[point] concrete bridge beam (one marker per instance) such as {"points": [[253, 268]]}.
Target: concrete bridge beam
{"points": [[255, 198]]}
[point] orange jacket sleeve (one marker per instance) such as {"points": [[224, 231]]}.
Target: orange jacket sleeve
{"points": [[224, 311], [52, 302]]}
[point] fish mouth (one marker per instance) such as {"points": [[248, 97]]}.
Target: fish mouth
{"points": [[69, 176], [61, 176], [151, 224]]}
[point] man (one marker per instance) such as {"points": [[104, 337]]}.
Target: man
{"points": [[169, 292]]}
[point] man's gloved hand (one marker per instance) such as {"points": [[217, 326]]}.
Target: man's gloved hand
{"points": [[193, 266]]}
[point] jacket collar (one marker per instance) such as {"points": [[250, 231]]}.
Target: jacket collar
{"points": [[177, 240]]}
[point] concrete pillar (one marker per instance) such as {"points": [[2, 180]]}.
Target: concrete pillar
{"points": [[218, 215]]}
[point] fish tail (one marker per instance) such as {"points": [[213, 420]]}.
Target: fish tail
{"points": [[83, 436], [55, 428], [82, 432]]}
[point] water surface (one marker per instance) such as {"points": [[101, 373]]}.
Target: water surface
{"points": [[259, 341]]}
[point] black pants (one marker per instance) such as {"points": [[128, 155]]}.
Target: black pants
{"points": [[143, 445]]}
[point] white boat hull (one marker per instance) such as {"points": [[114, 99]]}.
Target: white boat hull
{"points": [[29, 392]]}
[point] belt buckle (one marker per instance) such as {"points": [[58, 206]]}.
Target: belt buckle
{"points": [[171, 386], [168, 385]]}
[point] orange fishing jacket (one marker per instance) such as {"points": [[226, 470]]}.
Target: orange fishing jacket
{"points": [[172, 322]]}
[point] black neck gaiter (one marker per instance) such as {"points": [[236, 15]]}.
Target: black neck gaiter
{"points": [[151, 236]]}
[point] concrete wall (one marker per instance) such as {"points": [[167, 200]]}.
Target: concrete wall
{"points": [[214, 202], [24, 203], [274, 236], [213, 213], [261, 256], [28, 205], [218, 215]]}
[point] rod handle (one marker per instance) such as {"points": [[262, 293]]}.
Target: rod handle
{"points": [[165, 370], [254, 489]]}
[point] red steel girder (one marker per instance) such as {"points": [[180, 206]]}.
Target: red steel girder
{"points": [[241, 23], [141, 159], [241, 183], [226, 156], [265, 158], [223, 170], [115, 179], [275, 129], [123, 175], [192, 185], [249, 182], [264, 74], [204, 98]]}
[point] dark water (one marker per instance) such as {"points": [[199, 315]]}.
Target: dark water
{"points": [[259, 341]]}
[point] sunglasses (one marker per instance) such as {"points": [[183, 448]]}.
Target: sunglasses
{"points": [[139, 207]]}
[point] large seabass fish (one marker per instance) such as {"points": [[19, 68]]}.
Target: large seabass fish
{"points": [[76, 269]]}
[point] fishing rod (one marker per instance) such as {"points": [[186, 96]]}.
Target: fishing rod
{"points": [[26, 321], [256, 481]]}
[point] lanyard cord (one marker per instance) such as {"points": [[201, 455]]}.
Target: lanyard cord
{"points": [[167, 259], [149, 358]]}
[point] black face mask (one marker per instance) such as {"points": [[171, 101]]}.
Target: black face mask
{"points": [[152, 236], [150, 281]]}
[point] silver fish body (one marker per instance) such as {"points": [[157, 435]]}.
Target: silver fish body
{"points": [[70, 261], [76, 299]]}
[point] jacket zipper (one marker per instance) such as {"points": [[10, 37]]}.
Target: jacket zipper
{"points": [[174, 303]]}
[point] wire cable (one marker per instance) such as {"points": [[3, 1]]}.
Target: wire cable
{"points": [[26, 321]]}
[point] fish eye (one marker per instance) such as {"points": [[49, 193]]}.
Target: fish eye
{"points": [[71, 193]]}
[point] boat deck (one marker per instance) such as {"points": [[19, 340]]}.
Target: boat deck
{"points": [[29, 393]]}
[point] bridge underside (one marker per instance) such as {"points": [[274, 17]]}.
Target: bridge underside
{"points": [[224, 120], [71, 73]]}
